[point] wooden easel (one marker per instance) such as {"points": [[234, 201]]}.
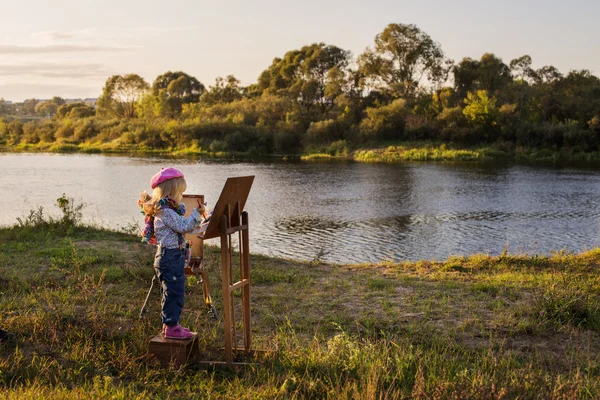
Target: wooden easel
{"points": [[228, 219]]}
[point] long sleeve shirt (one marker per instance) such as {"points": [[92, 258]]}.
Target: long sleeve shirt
{"points": [[169, 227]]}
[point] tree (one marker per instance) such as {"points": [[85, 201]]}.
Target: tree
{"points": [[547, 74], [120, 94], [402, 56], [75, 110], [493, 73], [5, 108], [524, 75], [176, 89], [225, 91], [579, 96], [29, 106], [304, 75], [59, 101], [481, 109], [46, 109], [489, 73], [521, 68]]}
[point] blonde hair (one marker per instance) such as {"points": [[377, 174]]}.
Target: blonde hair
{"points": [[171, 188]]}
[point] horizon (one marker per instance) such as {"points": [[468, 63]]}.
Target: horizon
{"points": [[71, 55]]}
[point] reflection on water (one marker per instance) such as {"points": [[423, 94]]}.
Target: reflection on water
{"points": [[306, 225], [350, 212]]}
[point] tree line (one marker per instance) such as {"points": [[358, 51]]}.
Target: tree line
{"points": [[322, 99]]}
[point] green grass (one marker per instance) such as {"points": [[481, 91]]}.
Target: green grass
{"points": [[386, 152], [469, 327]]}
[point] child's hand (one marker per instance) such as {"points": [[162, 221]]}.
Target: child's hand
{"points": [[201, 209]]}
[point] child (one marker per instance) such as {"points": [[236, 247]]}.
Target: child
{"points": [[165, 226]]}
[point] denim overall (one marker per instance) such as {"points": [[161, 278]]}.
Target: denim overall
{"points": [[169, 265]]}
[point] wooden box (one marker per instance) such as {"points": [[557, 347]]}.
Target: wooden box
{"points": [[173, 351]]}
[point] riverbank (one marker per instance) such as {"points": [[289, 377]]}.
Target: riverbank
{"points": [[375, 153], [502, 327]]}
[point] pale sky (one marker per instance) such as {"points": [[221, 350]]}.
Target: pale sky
{"points": [[69, 48]]}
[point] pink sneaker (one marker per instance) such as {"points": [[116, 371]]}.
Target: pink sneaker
{"points": [[164, 329], [177, 332]]}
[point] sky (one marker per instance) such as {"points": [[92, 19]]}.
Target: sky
{"points": [[69, 48]]}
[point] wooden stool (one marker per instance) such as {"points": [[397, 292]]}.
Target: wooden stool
{"points": [[173, 351]]}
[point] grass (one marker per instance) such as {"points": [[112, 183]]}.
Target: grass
{"points": [[468, 327], [389, 152], [402, 153]]}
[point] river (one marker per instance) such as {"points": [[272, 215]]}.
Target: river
{"points": [[339, 211]]}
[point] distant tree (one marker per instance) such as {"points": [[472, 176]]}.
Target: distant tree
{"points": [[224, 91], [489, 73], [579, 96], [5, 108], [401, 58], [521, 69], [59, 101], [176, 89], [523, 76], [75, 110], [120, 94], [307, 75], [46, 109], [481, 109], [547, 74], [493, 73], [29, 106]]}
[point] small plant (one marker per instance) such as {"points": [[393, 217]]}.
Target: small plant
{"points": [[318, 259], [71, 211], [34, 219]]}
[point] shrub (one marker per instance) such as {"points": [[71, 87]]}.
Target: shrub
{"points": [[30, 133], [85, 129], [385, 122], [71, 211]]}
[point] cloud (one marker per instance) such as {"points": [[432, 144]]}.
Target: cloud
{"points": [[58, 48], [52, 35], [55, 70], [19, 91], [162, 29]]}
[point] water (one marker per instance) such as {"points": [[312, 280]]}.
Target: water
{"points": [[341, 212]]}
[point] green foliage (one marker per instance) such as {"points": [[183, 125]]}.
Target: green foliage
{"points": [[312, 76], [120, 95], [480, 109], [225, 90], [75, 110], [401, 57], [385, 122], [173, 90], [312, 98], [71, 211]]}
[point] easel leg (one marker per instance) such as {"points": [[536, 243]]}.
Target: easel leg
{"points": [[245, 258], [226, 295]]}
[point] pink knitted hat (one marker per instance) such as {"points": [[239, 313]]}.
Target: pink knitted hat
{"points": [[165, 175]]}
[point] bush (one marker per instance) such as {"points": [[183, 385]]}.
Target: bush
{"points": [[71, 211], [85, 129], [385, 122], [323, 132], [30, 133], [64, 131]]}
